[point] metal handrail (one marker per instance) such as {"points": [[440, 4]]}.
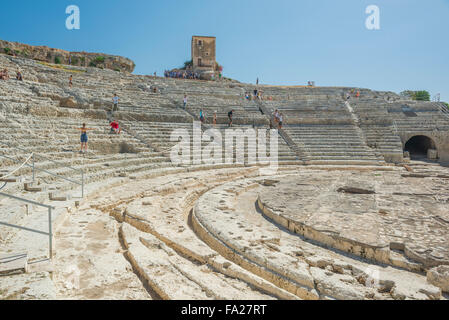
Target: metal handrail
{"points": [[443, 109], [33, 166], [395, 126], [43, 157], [301, 146], [50, 229]]}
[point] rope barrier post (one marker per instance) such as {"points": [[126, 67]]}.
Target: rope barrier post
{"points": [[50, 234]]}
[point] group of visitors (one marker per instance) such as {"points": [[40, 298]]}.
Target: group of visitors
{"points": [[352, 93], [311, 83], [115, 126], [4, 75], [256, 93], [203, 117], [186, 74], [278, 119]]}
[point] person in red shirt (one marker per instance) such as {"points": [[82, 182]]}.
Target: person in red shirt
{"points": [[115, 128]]}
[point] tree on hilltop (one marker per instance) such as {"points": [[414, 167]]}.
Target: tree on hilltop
{"points": [[421, 95]]}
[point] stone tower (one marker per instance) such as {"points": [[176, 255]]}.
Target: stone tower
{"points": [[203, 54]]}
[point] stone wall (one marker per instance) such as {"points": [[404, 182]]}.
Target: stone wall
{"points": [[440, 138], [82, 59]]}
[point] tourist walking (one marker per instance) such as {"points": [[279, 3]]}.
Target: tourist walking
{"points": [[215, 119], [19, 76], [84, 138], [202, 116], [281, 119], [276, 116], [230, 114], [70, 81], [185, 101], [115, 100]]}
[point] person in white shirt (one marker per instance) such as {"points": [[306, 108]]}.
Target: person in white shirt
{"points": [[276, 116], [115, 101], [185, 101]]}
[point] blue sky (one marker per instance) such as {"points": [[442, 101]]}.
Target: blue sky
{"points": [[282, 42]]}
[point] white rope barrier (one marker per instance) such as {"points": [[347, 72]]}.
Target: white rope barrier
{"points": [[17, 169]]}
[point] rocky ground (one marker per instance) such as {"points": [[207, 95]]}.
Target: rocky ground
{"points": [[204, 234]]}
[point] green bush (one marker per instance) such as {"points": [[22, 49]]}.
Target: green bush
{"points": [[7, 50], [75, 61], [57, 60], [92, 64], [446, 104], [187, 64], [100, 59], [421, 95]]}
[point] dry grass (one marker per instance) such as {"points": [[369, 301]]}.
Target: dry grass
{"points": [[61, 67]]}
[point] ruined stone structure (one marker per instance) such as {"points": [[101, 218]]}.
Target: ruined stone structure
{"points": [[203, 54], [345, 216]]}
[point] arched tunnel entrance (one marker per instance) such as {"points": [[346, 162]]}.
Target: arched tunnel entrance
{"points": [[417, 146]]}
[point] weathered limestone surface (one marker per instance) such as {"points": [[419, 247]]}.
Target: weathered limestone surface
{"points": [[376, 213], [225, 218], [82, 59], [32, 286], [439, 276]]}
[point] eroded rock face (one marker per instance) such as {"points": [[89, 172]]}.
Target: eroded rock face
{"points": [[127, 148], [439, 276], [357, 187], [81, 59]]}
